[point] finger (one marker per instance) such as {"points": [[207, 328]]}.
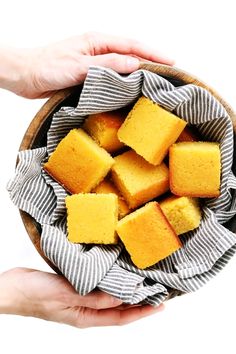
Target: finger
{"points": [[98, 43], [122, 64], [127, 306], [96, 300], [113, 317]]}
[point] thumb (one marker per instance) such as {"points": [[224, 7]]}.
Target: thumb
{"points": [[123, 64]]}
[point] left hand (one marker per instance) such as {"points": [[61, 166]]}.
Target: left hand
{"points": [[66, 63]]}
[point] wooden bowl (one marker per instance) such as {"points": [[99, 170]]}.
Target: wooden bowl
{"points": [[36, 133]]}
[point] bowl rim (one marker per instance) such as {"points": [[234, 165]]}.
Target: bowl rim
{"points": [[52, 103]]}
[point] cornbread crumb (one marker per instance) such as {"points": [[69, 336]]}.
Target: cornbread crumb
{"points": [[183, 213], [147, 235], [150, 130], [92, 218], [137, 180], [78, 163], [195, 169], [106, 186], [103, 128]]}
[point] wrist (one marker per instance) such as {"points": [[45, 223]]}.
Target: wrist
{"points": [[12, 300], [13, 68], [7, 299]]}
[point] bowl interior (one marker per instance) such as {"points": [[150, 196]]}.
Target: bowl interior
{"points": [[36, 134]]}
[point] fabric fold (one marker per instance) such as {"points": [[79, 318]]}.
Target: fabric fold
{"points": [[205, 250]]}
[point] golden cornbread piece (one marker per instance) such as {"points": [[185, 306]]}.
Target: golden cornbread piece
{"points": [[183, 213], [92, 218], [78, 163], [195, 169], [106, 186], [150, 130], [137, 180], [103, 128], [147, 235]]}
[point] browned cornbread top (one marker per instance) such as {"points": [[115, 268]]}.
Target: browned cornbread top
{"points": [[138, 180], [103, 128], [147, 235], [183, 213], [150, 130]]}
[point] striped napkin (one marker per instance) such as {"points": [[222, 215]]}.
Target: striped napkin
{"points": [[205, 251]]}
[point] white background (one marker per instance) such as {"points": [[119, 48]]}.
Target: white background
{"points": [[200, 36]]}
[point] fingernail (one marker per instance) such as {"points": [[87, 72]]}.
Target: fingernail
{"points": [[132, 63]]}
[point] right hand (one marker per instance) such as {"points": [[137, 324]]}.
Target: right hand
{"points": [[51, 297]]}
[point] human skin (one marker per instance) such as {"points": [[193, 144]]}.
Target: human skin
{"points": [[38, 73], [29, 292]]}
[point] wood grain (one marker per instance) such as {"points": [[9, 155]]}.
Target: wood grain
{"points": [[47, 109], [27, 143], [42, 116]]}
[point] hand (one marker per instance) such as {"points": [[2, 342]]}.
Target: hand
{"points": [[41, 71], [29, 292]]}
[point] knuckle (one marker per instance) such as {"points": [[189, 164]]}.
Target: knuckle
{"points": [[97, 303], [80, 321], [103, 300], [120, 320], [91, 39], [90, 36], [115, 59]]}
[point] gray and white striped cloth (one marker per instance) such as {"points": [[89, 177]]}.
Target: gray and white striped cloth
{"points": [[205, 251]]}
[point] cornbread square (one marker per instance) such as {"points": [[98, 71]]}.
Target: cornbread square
{"points": [[183, 213], [137, 180], [195, 169], [107, 186], [103, 128], [92, 218], [147, 235], [150, 130], [78, 163]]}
